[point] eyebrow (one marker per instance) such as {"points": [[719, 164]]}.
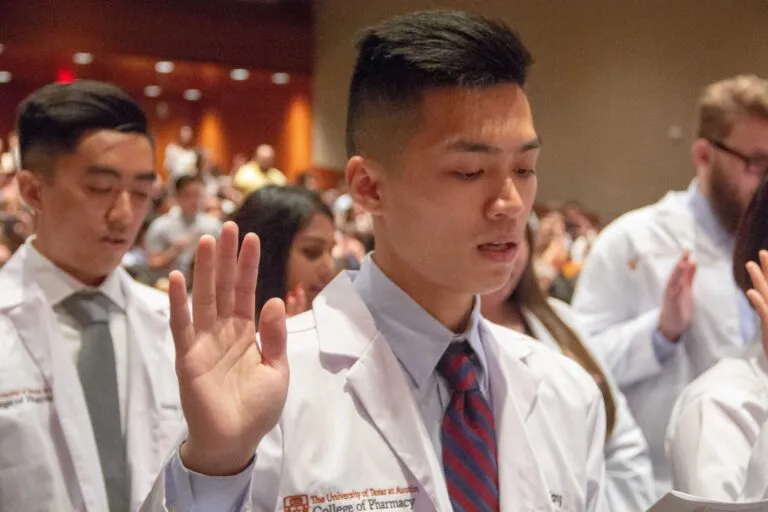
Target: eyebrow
{"points": [[469, 146], [109, 171], [312, 239]]}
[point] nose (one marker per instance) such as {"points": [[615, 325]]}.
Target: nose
{"points": [[327, 267], [508, 203], [121, 212]]}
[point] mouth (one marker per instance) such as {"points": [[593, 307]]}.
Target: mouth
{"points": [[503, 252], [115, 241]]}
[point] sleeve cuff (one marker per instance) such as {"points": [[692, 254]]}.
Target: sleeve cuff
{"points": [[663, 347], [186, 490]]}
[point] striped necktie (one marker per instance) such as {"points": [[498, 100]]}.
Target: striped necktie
{"points": [[468, 436]]}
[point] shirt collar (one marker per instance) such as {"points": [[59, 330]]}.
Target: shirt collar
{"points": [[57, 285], [706, 218], [417, 339]]}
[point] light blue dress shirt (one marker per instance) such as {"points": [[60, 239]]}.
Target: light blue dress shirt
{"points": [[709, 223], [418, 341]]}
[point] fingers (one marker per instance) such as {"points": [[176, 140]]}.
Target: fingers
{"points": [[682, 275], [180, 321], [758, 278], [247, 277], [760, 305], [204, 312], [273, 334], [226, 265], [296, 302]]}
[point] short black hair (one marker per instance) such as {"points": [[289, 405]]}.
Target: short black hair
{"points": [[401, 57], [751, 236], [53, 119], [276, 214], [184, 180]]}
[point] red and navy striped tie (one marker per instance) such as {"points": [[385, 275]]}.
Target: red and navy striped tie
{"points": [[468, 436]]}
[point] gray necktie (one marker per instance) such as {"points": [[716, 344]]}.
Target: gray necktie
{"points": [[98, 376]]}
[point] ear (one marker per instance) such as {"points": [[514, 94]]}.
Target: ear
{"points": [[702, 155], [30, 185], [363, 181]]}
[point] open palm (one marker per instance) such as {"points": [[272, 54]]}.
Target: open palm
{"points": [[232, 390]]}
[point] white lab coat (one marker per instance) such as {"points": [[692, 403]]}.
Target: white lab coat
{"points": [[756, 486], [629, 482], [715, 425], [618, 301], [48, 456], [351, 424]]}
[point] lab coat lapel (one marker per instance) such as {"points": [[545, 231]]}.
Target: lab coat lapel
{"points": [[377, 380], [514, 389], [147, 342]]}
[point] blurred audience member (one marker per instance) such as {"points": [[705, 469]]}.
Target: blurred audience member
{"points": [[297, 239], [181, 156], [10, 161], [206, 168], [308, 181], [259, 172], [136, 260], [550, 252], [581, 232], [172, 238]]}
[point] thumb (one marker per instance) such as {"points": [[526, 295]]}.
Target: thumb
{"points": [[273, 333]]}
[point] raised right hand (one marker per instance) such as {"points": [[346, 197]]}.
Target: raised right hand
{"points": [[232, 392], [677, 307]]}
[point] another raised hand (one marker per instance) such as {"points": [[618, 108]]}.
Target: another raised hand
{"points": [[758, 295], [677, 307]]}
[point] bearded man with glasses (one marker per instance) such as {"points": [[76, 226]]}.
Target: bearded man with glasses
{"points": [[657, 290]]}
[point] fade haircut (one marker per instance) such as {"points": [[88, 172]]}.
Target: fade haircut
{"points": [[400, 58], [53, 119]]}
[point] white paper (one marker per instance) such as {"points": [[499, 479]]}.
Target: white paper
{"points": [[675, 501]]}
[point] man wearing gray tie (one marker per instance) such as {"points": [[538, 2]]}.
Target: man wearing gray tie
{"points": [[88, 395]]}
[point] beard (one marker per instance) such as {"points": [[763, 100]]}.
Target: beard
{"points": [[724, 198]]}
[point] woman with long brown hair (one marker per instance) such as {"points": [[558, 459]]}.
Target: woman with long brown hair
{"points": [[522, 306]]}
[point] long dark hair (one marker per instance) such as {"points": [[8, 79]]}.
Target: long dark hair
{"points": [[276, 215], [752, 236], [527, 294]]}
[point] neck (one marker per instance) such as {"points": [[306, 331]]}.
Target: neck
{"points": [[451, 309], [86, 279], [504, 313]]}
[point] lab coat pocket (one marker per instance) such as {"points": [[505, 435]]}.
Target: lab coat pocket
{"points": [[30, 463]]}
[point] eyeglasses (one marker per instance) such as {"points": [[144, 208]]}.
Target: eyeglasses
{"points": [[752, 164]]}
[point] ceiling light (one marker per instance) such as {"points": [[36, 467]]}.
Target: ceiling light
{"points": [[192, 94], [239, 74], [153, 91], [164, 66], [82, 58], [281, 78], [5, 77]]}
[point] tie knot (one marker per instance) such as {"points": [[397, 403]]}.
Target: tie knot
{"points": [[457, 367], [87, 308]]}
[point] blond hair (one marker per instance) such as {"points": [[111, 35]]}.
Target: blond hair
{"points": [[724, 103]]}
